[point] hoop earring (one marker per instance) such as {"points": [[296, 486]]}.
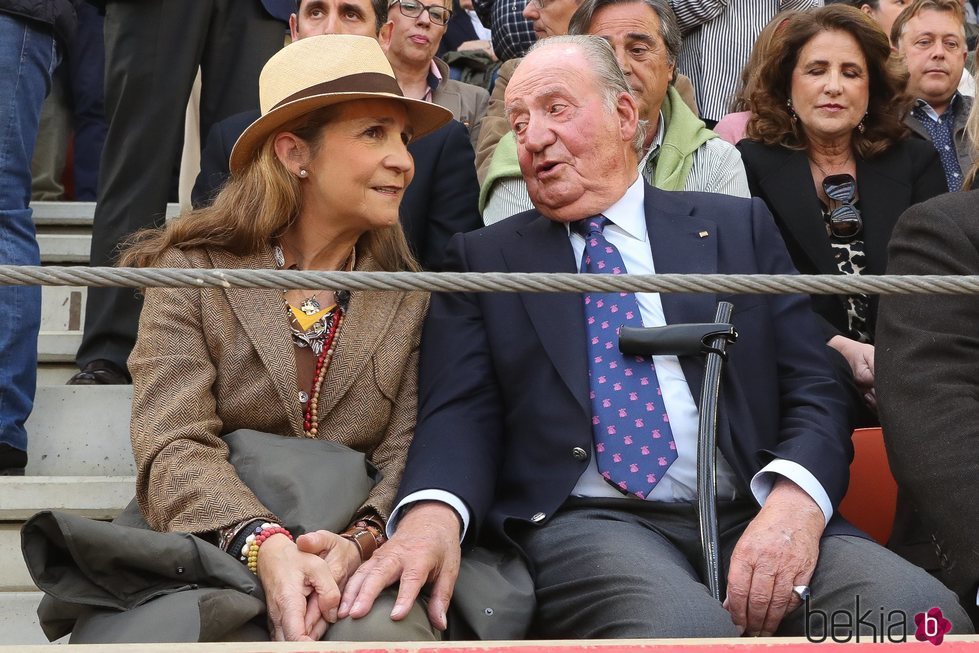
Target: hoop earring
{"points": [[792, 114], [302, 173]]}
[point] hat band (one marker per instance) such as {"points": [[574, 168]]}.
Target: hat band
{"points": [[356, 83]]}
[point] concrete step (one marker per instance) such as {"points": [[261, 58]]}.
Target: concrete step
{"points": [[18, 620], [80, 431], [14, 576], [20, 498], [75, 214], [64, 248], [58, 346], [63, 308], [97, 497], [54, 373]]}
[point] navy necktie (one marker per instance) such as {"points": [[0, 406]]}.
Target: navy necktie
{"points": [[633, 439]]}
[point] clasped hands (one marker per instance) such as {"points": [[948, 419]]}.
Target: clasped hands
{"points": [[303, 582]]}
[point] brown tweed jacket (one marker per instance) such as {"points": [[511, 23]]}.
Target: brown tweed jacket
{"points": [[210, 361]]}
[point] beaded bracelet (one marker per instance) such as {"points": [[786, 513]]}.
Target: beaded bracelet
{"points": [[249, 552]]}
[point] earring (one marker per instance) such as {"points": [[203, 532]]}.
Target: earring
{"points": [[302, 173], [792, 114], [860, 126]]}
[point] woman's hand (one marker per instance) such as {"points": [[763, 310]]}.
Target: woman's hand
{"points": [[300, 590], [860, 356], [342, 555]]}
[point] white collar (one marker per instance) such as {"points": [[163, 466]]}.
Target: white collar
{"points": [[628, 213]]}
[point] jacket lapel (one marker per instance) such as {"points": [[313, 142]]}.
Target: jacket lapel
{"points": [[448, 100], [558, 318], [261, 313], [884, 194], [787, 183], [679, 247], [365, 322]]}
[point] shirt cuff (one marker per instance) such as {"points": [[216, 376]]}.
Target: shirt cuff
{"points": [[452, 500], [764, 480]]}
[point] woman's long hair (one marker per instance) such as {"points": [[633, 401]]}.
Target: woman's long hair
{"points": [[257, 206], [771, 122], [972, 131], [760, 54]]}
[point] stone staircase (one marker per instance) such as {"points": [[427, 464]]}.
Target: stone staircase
{"points": [[80, 459]]}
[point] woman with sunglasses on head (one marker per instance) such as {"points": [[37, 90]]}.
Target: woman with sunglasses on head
{"points": [[828, 153], [316, 184]]}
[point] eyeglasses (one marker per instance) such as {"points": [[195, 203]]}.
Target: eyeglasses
{"points": [[412, 9], [844, 221]]}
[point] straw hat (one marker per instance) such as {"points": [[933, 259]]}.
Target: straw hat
{"points": [[321, 71]]}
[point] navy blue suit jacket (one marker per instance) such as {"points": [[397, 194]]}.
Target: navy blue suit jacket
{"points": [[441, 200], [503, 397]]}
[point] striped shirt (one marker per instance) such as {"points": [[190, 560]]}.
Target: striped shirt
{"points": [[716, 168], [718, 36]]}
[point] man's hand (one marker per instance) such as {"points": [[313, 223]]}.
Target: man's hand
{"points": [[300, 591], [860, 356], [424, 549], [777, 551]]}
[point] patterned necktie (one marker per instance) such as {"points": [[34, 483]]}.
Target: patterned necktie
{"points": [[633, 438]]}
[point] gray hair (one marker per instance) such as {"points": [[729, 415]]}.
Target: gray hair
{"points": [[669, 28], [609, 77]]}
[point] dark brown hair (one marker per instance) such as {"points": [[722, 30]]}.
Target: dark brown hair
{"points": [[771, 121]]}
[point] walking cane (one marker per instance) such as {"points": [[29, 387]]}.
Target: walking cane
{"points": [[692, 340]]}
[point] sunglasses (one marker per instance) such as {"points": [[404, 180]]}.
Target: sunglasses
{"points": [[845, 222], [412, 9]]}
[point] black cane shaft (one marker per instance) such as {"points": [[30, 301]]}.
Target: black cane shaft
{"points": [[707, 457]]}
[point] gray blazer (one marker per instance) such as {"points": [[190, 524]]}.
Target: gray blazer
{"points": [[466, 102]]}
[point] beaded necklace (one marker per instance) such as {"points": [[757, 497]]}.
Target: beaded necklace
{"points": [[311, 418], [317, 329]]}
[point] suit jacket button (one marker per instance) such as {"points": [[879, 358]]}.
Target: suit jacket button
{"points": [[538, 517], [579, 454]]}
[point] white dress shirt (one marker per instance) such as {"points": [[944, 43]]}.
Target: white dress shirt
{"points": [[629, 235]]}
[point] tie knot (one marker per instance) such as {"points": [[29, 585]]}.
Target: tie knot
{"points": [[591, 226]]}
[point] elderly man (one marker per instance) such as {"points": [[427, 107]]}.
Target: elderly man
{"points": [[410, 38], [550, 18], [534, 432], [679, 152], [930, 36]]}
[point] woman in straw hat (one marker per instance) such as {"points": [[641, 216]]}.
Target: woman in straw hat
{"points": [[316, 183]]}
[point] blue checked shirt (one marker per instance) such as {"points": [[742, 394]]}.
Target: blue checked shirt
{"points": [[512, 33]]}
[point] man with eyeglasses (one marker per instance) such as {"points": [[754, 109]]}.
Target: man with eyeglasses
{"points": [[930, 37], [442, 198], [410, 38]]}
